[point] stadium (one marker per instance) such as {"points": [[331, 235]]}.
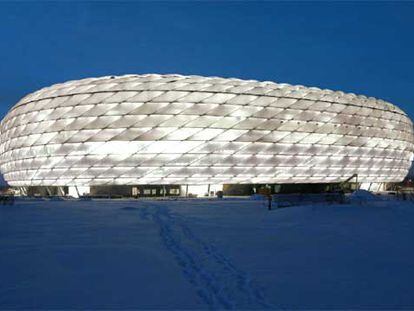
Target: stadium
{"points": [[157, 135]]}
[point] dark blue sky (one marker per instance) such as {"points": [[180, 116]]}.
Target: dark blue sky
{"points": [[365, 48]]}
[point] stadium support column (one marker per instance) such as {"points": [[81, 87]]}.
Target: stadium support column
{"points": [[60, 191], [49, 193], [77, 191], [23, 191]]}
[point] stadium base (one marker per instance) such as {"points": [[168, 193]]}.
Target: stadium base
{"points": [[137, 191]]}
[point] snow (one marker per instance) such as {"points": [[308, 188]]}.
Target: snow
{"points": [[205, 254], [360, 196]]}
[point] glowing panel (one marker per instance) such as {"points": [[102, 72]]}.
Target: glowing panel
{"points": [[173, 129]]}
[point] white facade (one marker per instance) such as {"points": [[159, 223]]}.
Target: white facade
{"points": [[172, 129]]}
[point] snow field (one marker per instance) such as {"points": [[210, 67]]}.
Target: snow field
{"points": [[206, 254]]}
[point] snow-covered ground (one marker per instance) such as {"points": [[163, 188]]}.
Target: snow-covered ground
{"points": [[202, 254]]}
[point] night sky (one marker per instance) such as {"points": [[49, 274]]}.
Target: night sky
{"points": [[365, 48]]}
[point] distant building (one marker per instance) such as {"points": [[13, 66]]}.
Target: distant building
{"points": [[166, 134]]}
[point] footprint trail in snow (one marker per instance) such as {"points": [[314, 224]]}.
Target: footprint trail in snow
{"points": [[218, 282]]}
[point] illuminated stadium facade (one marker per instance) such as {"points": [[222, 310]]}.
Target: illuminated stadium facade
{"points": [[168, 131]]}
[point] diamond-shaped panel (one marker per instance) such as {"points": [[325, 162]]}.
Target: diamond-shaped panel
{"points": [[161, 129]]}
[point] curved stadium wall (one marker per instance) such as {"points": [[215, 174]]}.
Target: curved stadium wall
{"points": [[173, 129]]}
